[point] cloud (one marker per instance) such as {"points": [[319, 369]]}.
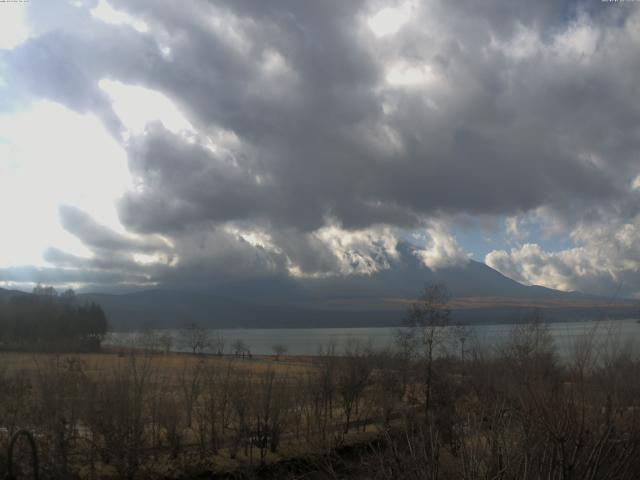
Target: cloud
{"points": [[97, 236], [215, 253], [442, 250], [605, 260], [13, 30], [137, 106], [307, 137], [105, 12]]}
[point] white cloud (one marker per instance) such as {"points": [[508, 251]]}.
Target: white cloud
{"points": [[442, 251], [605, 255], [360, 252], [105, 12], [577, 42], [155, 258], [524, 44], [256, 238], [513, 228], [580, 39], [138, 106], [405, 74], [13, 27], [531, 265], [388, 21]]}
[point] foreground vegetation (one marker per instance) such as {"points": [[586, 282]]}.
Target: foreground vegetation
{"points": [[436, 407]]}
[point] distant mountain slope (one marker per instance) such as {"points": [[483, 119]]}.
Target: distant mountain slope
{"points": [[479, 294], [473, 279], [6, 294], [171, 309], [407, 277]]}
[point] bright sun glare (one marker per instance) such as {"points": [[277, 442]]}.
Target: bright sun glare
{"points": [[54, 156]]}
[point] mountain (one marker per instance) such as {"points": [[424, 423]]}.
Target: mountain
{"points": [[479, 294], [405, 279], [7, 294]]}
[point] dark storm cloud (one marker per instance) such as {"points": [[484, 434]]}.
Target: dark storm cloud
{"points": [[97, 236], [309, 142], [102, 260], [63, 259], [525, 105], [506, 136], [186, 183]]}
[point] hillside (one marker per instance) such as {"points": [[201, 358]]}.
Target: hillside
{"points": [[479, 294]]}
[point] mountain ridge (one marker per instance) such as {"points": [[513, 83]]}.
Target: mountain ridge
{"points": [[479, 294]]}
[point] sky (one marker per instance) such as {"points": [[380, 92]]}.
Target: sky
{"points": [[187, 144]]}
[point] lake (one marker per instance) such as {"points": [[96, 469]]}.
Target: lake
{"points": [[307, 341]]}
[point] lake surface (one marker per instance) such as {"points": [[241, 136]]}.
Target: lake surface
{"points": [[308, 341]]}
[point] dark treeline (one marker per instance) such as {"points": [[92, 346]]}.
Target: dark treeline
{"points": [[48, 321]]}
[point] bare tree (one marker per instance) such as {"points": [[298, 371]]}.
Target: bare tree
{"points": [[425, 321], [240, 348], [267, 408], [461, 333], [321, 386], [190, 379], [279, 349], [353, 377], [388, 385], [118, 416], [171, 422], [530, 350], [58, 407], [165, 341], [148, 340], [216, 403], [195, 337], [218, 342], [241, 395]]}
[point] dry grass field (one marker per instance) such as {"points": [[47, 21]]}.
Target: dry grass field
{"points": [[514, 412], [135, 414], [101, 363]]}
